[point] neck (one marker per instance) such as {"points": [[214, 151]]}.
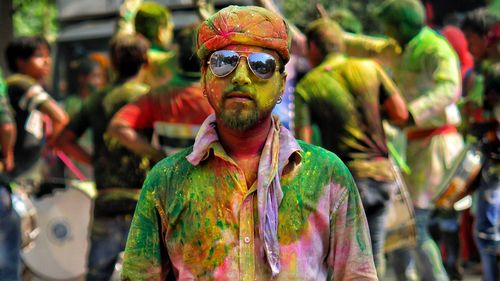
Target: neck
{"points": [[244, 144]]}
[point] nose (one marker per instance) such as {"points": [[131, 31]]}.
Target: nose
{"points": [[241, 73]]}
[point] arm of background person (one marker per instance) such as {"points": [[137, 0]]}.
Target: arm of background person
{"points": [[67, 142], [8, 135], [393, 102], [383, 50], [8, 131], [132, 140], [124, 124], [58, 117]]}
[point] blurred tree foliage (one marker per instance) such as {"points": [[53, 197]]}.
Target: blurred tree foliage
{"points": [[35, 17], [302, 12]]}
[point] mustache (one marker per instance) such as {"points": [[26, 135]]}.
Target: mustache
{"points": [[240, 89]]}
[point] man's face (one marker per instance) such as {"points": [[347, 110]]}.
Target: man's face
{"points": [[477, 44], [241, 99], [38, 65]]}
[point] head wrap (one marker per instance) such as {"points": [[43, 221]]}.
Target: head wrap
{"points": [[327, 34], [150, 17], [246, 25], [410, 12]]}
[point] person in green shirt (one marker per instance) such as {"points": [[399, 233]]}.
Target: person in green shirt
{"points": [[248, 201], [428, 72]]}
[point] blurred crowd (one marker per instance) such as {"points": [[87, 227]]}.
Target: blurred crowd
{"points": [[403, 111]]}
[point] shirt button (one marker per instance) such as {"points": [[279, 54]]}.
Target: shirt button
{"points": [[247, 239]]}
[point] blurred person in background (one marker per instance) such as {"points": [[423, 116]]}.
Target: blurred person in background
{"points": [[23, 137], [445, 226], [154, 22], [90, 77], [487, 226], [175, 111], [428, 72], [29, 60], [118, 172], [348, 98]]}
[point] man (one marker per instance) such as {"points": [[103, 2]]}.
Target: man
{"points": [[247, 201], [118, 172], [345, 97], [174, 111], [428, 71]]}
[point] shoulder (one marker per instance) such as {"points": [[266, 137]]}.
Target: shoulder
{"points": [[20, 82], [315, 158], [435, 45], [171, 169]]}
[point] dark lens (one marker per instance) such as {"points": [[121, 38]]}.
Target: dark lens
{"points": [[223, 62], [262, 65]]}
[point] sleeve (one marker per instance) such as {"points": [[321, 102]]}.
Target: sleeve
{"points": [[445, 71], [145, 254], [138, 115], [385, 51], [33, 97], [350, 254]]}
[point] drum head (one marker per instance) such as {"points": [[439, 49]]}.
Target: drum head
{"points": [[60, 250]]}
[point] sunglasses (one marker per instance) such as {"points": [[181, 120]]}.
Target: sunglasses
{"points": [[223, 62]]}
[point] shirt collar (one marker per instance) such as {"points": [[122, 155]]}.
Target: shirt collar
{"points": [[207, 141]]}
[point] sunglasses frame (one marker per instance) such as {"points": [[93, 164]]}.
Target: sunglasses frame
{"points": [[239, 59]]}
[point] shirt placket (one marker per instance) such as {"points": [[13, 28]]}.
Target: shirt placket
{"points": [[247, 237]]}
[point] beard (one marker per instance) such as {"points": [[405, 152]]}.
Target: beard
{"points": [[240, 118]]}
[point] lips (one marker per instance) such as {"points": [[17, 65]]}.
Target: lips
{"points": [[239, 96]]}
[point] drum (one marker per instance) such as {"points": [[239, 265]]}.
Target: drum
{"points": [[26, 211], [400, 224], [457, 182], [60, 250]]}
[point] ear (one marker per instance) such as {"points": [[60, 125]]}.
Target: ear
{"points": [[283, 81]]}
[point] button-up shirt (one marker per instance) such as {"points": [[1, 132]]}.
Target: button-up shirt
{"points": [[198, 220]]}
